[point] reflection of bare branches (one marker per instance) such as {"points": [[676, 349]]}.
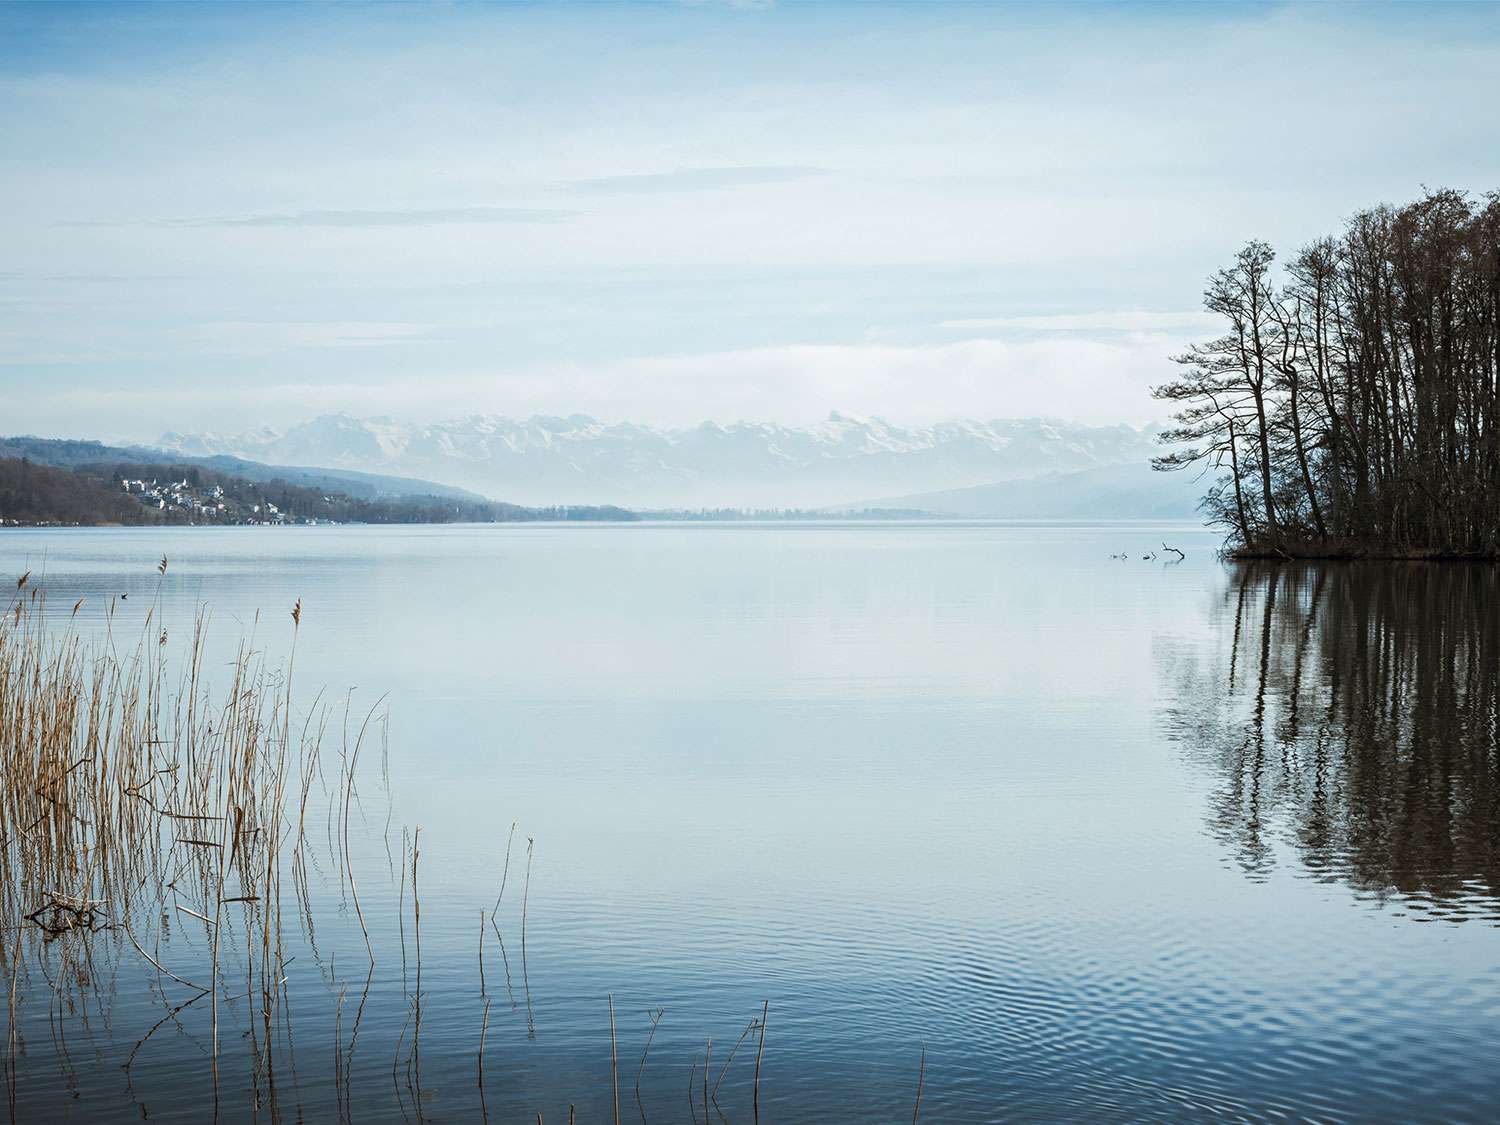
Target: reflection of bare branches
{"points": [[344, 1055], [347, 867], [708, 1054], [525, 976], [614, 1060], [62, 914], [157, 964], [655, 1018], [172, 1015], [401, 912], [1354, 728], [338, 1056], [484, 1028], [714, 1094], [760, 1051], [921, 1081], [505, 961], [395, 1064], [505, 872], [414, 1061]]}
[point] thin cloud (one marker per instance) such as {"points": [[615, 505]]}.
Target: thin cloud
{"points": [[88, 278], [739, 5], [441, 216], [258, 338], [1129, 321], [696, 179]]}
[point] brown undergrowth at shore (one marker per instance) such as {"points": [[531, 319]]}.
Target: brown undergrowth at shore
{"points": [[148, 815], [135, 804]]}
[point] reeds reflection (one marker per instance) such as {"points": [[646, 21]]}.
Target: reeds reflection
{"points": [[1351, 723]]}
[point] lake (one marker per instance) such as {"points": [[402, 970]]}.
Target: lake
{"points": [[1064, 834]]}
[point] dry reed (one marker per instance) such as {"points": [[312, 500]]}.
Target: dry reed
{"points": [[129, 798]]}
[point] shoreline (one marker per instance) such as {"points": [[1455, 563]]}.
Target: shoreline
{"points": [[1346, 553]]}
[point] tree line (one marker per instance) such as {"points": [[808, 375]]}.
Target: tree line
{"points": [[301, 502], [1352, 404], [41, 494], [93, 494]]}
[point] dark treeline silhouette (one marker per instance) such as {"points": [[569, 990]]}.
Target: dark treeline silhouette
{"points": [[94, 494], [1354, 721], [32, 494], [69, 453], [302, 502], [1352, 406], [761, 515]]}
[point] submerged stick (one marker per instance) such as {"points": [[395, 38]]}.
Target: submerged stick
{"points": [[157, 964], [484, 1028], [614, 1061], [921, 1077], [526, 894], [525, 973], [416, 913], [348, 866], [732, 1052], [505, 874], [481, 954], [765, 1010], [640, 1070], [708, 1054], [401, 912]]}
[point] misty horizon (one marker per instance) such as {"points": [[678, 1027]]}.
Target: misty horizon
{"points": [[578, 416], [577, 459]]}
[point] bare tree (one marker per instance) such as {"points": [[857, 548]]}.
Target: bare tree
{"points": [[1359, 400]]}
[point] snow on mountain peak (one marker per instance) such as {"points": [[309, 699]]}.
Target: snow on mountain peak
{"points": [[550, 459]]}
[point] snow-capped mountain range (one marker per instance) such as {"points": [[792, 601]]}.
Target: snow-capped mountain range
{"points": [[578, 460]]}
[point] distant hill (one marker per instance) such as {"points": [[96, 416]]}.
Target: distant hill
{"points": [[1114, 492], [64, 453], [750, 465], [145, 493]]}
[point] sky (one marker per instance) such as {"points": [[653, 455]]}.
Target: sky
{"points": [[227, 217]]}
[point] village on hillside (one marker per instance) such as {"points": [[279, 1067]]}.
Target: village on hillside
{"points": [[209, 503]]}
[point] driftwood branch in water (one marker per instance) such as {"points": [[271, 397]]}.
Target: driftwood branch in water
{"points": [[1180, 555]]}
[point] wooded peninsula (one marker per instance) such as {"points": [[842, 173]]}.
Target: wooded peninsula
{"points": [[1352, 406]]}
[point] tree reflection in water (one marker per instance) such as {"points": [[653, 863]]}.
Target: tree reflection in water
{"points": [[1350, 719]]}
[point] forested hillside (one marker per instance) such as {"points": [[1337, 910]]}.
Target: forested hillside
{"points": [[67, 453], [145, 493], [32, 494]]}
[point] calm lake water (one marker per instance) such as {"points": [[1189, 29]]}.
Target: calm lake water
{"points": [[1109, 839]]}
